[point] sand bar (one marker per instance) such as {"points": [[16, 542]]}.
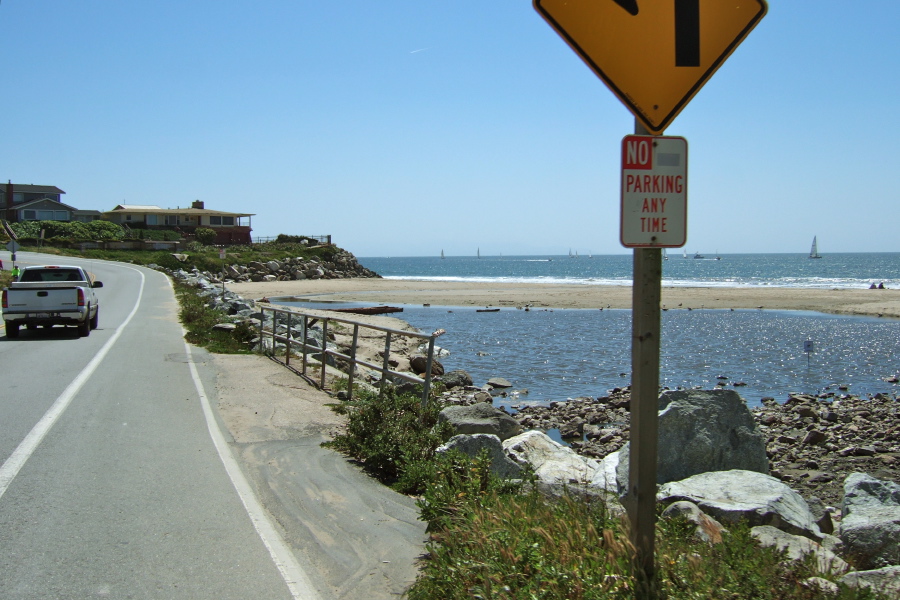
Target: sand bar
{"points": [[883, 303]]}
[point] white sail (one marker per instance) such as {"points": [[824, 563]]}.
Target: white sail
{"points": [[814, 251]]}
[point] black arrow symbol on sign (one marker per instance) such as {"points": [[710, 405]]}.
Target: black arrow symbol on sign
{"points": [[687, 29], [687, 33], [629, 5]]}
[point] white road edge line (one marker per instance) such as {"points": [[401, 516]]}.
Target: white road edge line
{"points": [[29, 444], [293, 574]]}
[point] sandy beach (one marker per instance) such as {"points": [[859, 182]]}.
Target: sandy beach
{"points": [[876, 303]]}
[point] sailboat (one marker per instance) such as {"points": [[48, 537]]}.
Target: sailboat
{"points": [[814, 251], [665, 254], [478, 253], [442, 254]]}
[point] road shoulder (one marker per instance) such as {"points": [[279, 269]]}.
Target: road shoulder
{"points": [[359, 538]]}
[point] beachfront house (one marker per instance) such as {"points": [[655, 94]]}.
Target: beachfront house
{"points": [[231, 228], [21, 202]]}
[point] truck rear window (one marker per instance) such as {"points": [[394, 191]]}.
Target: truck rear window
{"points": [[51, 275]]}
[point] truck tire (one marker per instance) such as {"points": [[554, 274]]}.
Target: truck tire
{"points": [[84, 328], [12, 330], [95, 320]]}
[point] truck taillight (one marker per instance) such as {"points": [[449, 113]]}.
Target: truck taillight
{"points": [[5, 300], [80, 296]]}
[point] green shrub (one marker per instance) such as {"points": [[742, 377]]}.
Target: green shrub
{"points": [[205, 236], [394, 438], [68, 231], [458, 485]]}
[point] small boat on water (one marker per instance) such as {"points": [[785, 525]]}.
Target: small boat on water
{"points": [[698, 255], [442, 254], [487, 310], [814, 251]]}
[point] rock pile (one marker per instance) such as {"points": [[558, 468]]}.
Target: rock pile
{"points": [[866, 538], [342, 265]]}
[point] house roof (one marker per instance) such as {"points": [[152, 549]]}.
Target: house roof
{"points": [[123, 208], [132, 207], [32, 189], [45, 201]]}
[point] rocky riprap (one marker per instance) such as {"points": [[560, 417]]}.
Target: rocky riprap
{"points": [[342, 265], [813, 443]]}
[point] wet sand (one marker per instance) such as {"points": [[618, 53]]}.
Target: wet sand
{"points": [[876, 303]]}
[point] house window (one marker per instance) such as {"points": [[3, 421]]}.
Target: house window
{"points": [[215, 220], [61, 215], [45, 215], [227, 220], [171, 220], [28, 215], [127, 217], [151, 220]]}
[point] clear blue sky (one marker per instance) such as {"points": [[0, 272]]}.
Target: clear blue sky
{"points": [[407, 127]]}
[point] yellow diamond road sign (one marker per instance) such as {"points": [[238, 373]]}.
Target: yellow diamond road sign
{"points": [[653, 54]]}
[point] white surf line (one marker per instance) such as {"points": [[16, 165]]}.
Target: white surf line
{"points": [[294, 576], [29, 444]]}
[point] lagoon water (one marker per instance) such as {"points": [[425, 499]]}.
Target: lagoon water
{"points": [[559, 354]]}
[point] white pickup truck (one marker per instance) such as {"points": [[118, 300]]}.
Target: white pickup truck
{"points": [[51, 295]]}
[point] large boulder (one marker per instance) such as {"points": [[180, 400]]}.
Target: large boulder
{"points": [[458, 378], [701, 431], [732, 496], [798, 547], [480, 418], [870, 523], [552, 462], [885, 581], [706, 529], [472, 445], [861, 490]]}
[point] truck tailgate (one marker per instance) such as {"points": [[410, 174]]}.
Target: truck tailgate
{"points": [[42, 299]]}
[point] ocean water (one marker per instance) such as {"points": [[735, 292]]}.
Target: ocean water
{"points": [[851, 270], [560, 354]]}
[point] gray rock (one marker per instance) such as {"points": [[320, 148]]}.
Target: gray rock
{"points": [[730, 496], [480, 418], [458, 378], [870, 524], [703, 431], [498, 382], [707, 530], [884, 581], [797, 547], [821, 586], [863, 490], [553, 463], [871, 536], [472, 445]]}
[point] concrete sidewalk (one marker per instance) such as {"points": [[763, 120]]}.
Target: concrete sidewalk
{"points": [[355, 537]]}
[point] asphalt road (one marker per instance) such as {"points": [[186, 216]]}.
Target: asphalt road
{"points": [[114, 482]]}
